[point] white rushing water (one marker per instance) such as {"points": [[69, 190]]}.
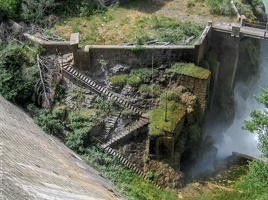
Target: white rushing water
{"points": [[235, 138]]}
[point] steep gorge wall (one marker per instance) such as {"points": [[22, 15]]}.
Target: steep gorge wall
{"points": [[34, 165]]}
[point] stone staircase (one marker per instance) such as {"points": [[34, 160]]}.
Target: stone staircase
{"points": [[110, 124], [129, 164], [76, 76], [128, 133], [66, 61]]}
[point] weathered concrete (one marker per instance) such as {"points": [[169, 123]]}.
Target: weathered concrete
{"points": [[34, 165]]}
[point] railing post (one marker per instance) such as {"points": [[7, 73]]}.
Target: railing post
{"points": [[74, 41], [235, 31], [242, 20], [209, 23], [266, 26]]}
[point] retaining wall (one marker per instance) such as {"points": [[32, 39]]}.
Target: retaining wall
{"points": [[91, 55]]}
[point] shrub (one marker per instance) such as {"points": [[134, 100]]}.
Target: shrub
{"points": [[14, 86], [153, 90], [190, 3], [8, 9], [256, 178], [33, 11], [80, 8], [171, 95], [221, 7], [79, 138], [50, 121]]}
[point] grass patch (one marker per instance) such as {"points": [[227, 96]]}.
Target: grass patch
{"points": [[158, 125], [189, 69], [122, 78], [120, 24], [134, 80], [144, 73]]}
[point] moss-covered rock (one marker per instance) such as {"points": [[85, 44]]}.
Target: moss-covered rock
{"points": [[190, 69], [164, 118]]}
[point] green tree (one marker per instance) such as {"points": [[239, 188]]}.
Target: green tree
{"points": [[7, 9], [14, 86], [35, 11], [259, 122]]}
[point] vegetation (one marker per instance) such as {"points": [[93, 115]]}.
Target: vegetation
{"points": [[153, 90], [136, 76], [50, 121], [121, 78], [14, 85], [117, 25], [100, 25], [249, 8], [8, 9], [137, 50], [189, 69], [125, 180], [221, 7], [79, 137], [259, 122], [165, 117]]}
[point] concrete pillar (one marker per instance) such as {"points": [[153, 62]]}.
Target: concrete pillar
{"points": [[242, 20], [209, 23], [227, 50], [74, 41], [235, 31]]}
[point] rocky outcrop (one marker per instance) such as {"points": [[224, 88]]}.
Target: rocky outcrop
{"points": [[35, 165]]}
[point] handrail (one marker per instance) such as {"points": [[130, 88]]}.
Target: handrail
{"points": [[256, 24]]}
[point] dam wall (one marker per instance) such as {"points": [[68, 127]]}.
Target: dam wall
{"points": [[34, 165]]}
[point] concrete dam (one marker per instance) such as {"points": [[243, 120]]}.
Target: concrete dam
{"points": [[35, 165]]}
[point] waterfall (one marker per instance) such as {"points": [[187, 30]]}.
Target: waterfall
{"points": [[234, 138]]}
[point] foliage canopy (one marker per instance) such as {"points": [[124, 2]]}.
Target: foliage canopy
{"points": [[259, 122]]}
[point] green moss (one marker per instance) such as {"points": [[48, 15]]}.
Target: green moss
{"points": [[138, 50], [134, 79], [144, 73], [158, 124], [189, 69], [122, 78]]}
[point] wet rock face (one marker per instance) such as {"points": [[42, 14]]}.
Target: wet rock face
{"points": [[208, 150]]}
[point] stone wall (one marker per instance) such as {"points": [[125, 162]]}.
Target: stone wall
{"points": [[126, 55], [200, 88], [34, 165], [91, 55]]}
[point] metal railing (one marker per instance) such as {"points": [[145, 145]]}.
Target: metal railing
{"points": [[256, 24]]}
